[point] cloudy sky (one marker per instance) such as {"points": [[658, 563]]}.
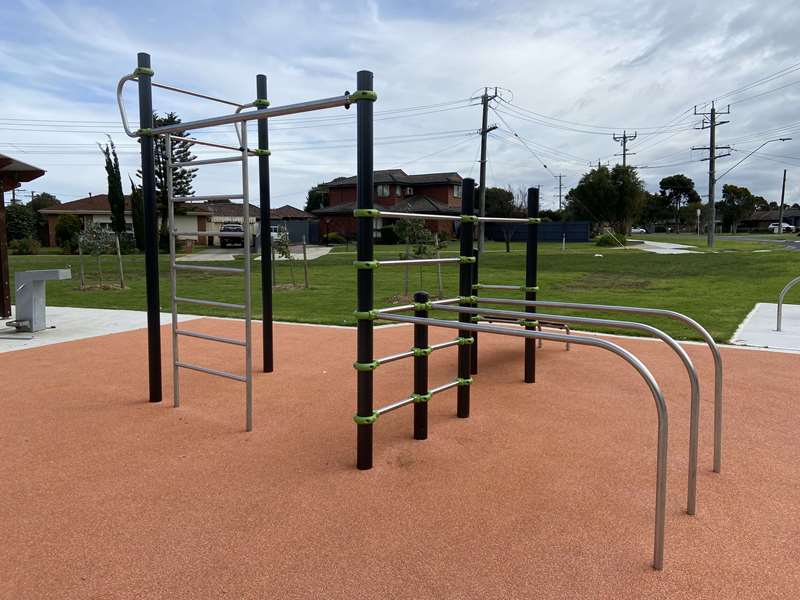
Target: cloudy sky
{"points": [[571, 74]]}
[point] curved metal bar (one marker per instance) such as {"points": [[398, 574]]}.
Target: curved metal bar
{"points": [[656, 312], [788, 286], [123, 115], [694, 418], [658, 397]]}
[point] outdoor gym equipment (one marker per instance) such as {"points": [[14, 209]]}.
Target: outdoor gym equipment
{"points": [[781, 296], [147, 133]]}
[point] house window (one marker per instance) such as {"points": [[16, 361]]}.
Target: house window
{"points": [[409, 191], [383, 191], [398, 190], [456, 191]]}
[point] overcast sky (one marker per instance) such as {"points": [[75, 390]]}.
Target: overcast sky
{"points": [[571, 75]]}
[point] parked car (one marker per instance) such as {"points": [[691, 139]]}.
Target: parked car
{"points": [[638, 230], [231, 241], [774, 227]]}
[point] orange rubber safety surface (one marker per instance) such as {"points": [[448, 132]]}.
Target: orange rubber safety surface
{"points": [[546, 491]]}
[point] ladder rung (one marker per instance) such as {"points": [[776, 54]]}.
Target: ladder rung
{"points": [[207, 268], [208, 198], [230, 234], [206, 161], [210, 338], [209, 302], [192, 367]]}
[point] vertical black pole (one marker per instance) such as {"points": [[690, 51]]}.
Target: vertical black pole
{"points": [[421, 369], [266, 229], [531, 264], [5, 277], [465, 290], [364, 191], [144, 75], [474, 353]]}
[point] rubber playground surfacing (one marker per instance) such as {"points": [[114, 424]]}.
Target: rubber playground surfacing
{"points": [[546, 491]]}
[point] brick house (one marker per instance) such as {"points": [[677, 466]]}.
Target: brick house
{"points": [[434, 193]]}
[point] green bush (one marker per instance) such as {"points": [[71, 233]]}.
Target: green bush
{"points": [[610, 240], [389, 235], [24, 246], [68, 228], [334, 237], [20, 222]]}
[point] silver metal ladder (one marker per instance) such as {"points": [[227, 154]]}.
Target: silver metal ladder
{"points": [[174, 233]]}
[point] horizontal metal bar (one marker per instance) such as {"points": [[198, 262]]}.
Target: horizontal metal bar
{"points": [[445, 345], [502, 220], [257, 115], [211, 338], [226, 374], [491, 286], [405, 215], [172, 88], [444, 387], [405, 307], [394, 357], [205, 268], [394, 405], [209, 302], [230, 234], [208, 161], [209, 144], [207, 198], [417, 261]]}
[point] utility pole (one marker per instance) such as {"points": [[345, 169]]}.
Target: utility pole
{"points": [[710, 122], [780, 210], [624, 139], [560, 178], [485, 129]]}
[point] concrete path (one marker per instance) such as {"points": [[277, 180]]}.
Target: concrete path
{"points": [[664, 247], [228, 254], [313, 252], [77, 324], [759, 328]]}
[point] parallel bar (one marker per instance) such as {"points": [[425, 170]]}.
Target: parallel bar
{"points": [[209, 144], [165, 86], [268, 113], [449, 344], [417, 261], [192, 367], [405, 307], [394, 357], [466, 235], [210, 338], [421, 369], [207, 198], [658, 397], [267, 339], [502, 220], [230, 234], [209, 302], [444, 387], [180, 267], [491, 286], [206, 161], [394, 406], [409, 215]]}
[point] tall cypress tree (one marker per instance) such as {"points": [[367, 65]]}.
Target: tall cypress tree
{"points": [[137, 213], [116, 199]]}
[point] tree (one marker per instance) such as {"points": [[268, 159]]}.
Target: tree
{"points": [[737, 204], [21, 222], [137, 214], [181, 177], [499, 202], [615, 196], [68, 228], [116, 199], [43, 200], [315, 199], [657, 209], [679, 190]]}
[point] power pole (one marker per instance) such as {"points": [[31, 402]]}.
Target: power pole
{"points": [[780, 210], [710, 122], [624, 139], [485, 129], [560, 178]]}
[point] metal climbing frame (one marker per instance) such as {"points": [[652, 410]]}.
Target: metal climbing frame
{"points": [[781, 296]]}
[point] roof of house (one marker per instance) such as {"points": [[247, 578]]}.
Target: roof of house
{"points": [[13, 172], [226, 208], [98, 205], [400, 177], [289, 212], [772, 214], [418, 203]]}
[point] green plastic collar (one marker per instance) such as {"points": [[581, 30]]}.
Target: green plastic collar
{"points": [[143, 71], [260, 152], [534, 221], [423, 305], [366, 315], [468, 299], [527, 323], [365, 264], [365, 420], [144, 132], [261, 103], [530, 288], [469, 219], [466, 260], [363, 95], [466, 341], [462, 382], [421, 398], [366, 212], [370, 366], [418, 352], [476, 318]]}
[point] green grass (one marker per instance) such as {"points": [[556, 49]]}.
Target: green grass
{"points": [[716, 288]]}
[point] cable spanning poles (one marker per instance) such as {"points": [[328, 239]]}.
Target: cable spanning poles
{"points": [[624, 139], [710, 122]]}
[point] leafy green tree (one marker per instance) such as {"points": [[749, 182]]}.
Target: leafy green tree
{"points": [[315, 199], [21, 222], [137, 214], [615, 196], [679, 189], [116, 199], [68, 228], [657, 209], [736, 205], [499, 202], [43, 200]]}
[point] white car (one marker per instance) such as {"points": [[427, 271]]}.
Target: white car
{"points": [[638, 230], [773, 228]]}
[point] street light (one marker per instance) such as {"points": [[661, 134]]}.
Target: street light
{"points": [[751, 154]]}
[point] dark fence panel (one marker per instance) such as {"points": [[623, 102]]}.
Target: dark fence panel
{"points": [[549, 231]]}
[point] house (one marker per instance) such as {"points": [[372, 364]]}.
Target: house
{"points": [[396, 191], [95, 210], [760, 220], [296, 222]]}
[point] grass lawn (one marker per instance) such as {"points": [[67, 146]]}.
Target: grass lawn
{"points": [[717, 288]]}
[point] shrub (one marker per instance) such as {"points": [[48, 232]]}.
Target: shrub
{"points": [[611, 240], [68, 228], [388, 235], [20, 222], [24, 246], [334, 237]]}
